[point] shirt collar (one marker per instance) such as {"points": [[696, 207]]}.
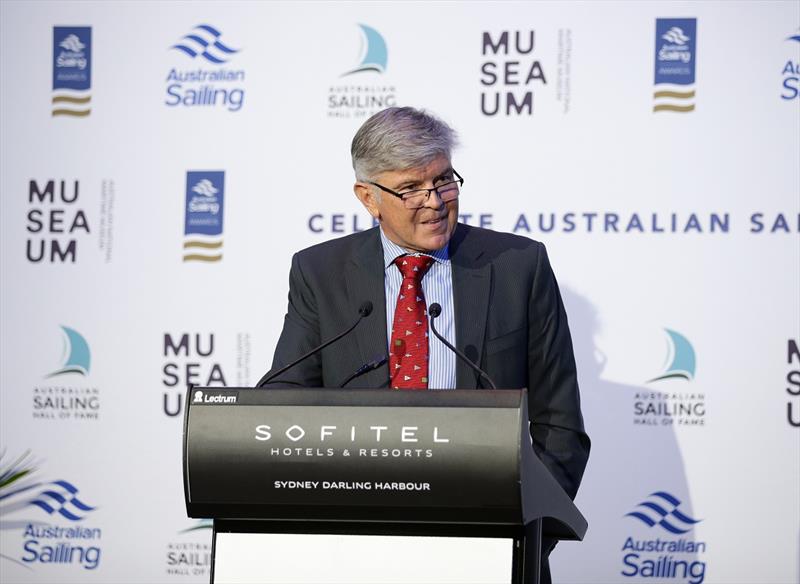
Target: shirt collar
{"points": [[392, 251]]}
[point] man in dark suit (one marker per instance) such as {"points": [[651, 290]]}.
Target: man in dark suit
{"points": [[500, 300]]}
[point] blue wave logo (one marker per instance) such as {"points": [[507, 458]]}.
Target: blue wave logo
{"points": [[680, 358], [675, 35], [204, 42], [661, 509], [77, 357], [374, 54], [72, 43], [60, 497], [794, 37]]}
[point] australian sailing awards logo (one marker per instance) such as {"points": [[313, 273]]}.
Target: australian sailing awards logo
{"points": [[209, 82], [660, 545], [675, 57], [52, 520], [361, 91], [67, 396], [205, 195], [72, 71], [670, 402]]}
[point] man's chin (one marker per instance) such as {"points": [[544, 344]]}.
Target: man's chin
{"points": [[434, 243]]}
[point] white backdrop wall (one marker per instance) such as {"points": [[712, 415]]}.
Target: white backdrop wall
{"points": [[675, 235]]}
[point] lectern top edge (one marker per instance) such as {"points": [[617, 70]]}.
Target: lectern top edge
{"points": [[500, 398]]}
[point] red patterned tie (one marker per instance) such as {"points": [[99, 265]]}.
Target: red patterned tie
{"points": [[408, 355]]}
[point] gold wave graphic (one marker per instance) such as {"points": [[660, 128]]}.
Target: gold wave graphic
{"points": [[68, 99], [68, 112], [678, 94], [203, 244], [673, 108], [196, 257]]}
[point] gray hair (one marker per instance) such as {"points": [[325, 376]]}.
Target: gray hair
{"points": [[398, 138]]}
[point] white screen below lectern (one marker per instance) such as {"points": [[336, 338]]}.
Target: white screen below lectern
{"points": [[359, 559]]}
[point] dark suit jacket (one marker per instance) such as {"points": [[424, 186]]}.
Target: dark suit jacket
{"points": [[509, 320]]}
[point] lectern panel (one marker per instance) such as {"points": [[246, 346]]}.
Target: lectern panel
{"points": [[376, 456], [360, 559]]}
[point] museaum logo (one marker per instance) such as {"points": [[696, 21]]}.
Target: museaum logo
{"points": [[55, 221], [511, 73], [189, 361], [793, 382]]}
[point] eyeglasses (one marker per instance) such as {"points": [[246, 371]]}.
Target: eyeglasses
{"points": [[448, 189]]}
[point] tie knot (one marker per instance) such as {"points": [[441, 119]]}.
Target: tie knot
{"points": [[413, 267]]}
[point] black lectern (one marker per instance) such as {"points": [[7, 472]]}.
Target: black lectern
{"points": [[380, 483]]}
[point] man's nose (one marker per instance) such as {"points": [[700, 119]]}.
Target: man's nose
{"points": [[433, 200]]}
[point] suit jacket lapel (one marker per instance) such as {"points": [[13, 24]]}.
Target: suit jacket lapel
{"points": [[364, 275], [471, 285]]}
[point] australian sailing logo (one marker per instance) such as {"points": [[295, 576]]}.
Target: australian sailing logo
{"points": [[791, 71], [672, 404], [363, 99], [66, 399], [675, 57], [205, 195], [204, 41], [65, 541], [211, 83], [663, 510], [673, 553], [72, 71]]}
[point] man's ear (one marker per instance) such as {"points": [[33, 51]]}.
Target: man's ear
{"points": [[365, 193]]}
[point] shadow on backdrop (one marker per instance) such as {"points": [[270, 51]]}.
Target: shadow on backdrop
{"points": [[627, 464]]}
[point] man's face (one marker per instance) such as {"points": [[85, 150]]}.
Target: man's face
{"points": [[426, 229]]}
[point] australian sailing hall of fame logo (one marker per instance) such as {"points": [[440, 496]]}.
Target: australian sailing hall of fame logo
{"points": [[660, 545], [208, 81], [672, 400], [189, 554], [45, 524], [66, 395], [361, 90]]}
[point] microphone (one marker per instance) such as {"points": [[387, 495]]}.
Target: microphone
{"points": [[363, 312], [435, 310], [374, 364]]}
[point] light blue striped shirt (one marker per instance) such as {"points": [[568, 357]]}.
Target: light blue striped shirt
{"points": [[437, 285]]}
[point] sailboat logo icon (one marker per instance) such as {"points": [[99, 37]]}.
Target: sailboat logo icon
{"points": [[680, 361], [374, 54], [76, 357]]}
